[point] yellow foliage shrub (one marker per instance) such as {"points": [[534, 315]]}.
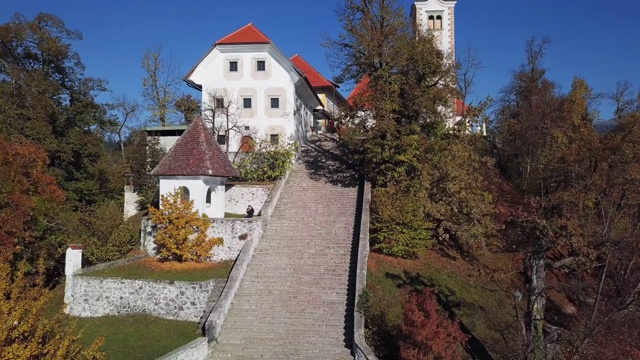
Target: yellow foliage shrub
{"points": [[26, 332], [181, 233]]}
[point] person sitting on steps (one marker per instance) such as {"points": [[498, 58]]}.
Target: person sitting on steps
{"points": [[250, 211]]}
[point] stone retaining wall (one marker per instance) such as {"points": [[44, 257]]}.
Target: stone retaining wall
{"points": [[234, 232], [238, 196], [101, 296]]}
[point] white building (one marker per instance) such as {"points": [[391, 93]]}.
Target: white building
{"points": [[197, 167], [326, 90], [250, 88]]}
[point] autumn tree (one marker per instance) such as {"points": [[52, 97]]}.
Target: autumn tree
{"points": [[396, 130], [607, 287], [548, 148], [409, 83], [46, 98], [25, 189], [143, 154], [188, 106], [49, 111], [181, 232], [160, 86], [427, 333], [27, 331], [124, 111]]}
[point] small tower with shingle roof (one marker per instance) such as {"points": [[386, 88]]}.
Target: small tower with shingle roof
{"points": [[196, 165]]}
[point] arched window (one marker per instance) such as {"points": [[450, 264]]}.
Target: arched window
{"points": [[208, 198], [431, 23], [184, 193], [438, 25]]}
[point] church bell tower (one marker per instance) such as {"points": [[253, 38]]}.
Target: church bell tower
{"points": [[437, 17]]}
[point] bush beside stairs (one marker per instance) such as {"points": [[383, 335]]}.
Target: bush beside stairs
{"points": [[296, 298]]}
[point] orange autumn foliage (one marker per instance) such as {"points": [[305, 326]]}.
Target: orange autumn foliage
{"points": [[427, 334], [181, 233], [24, 185], [27, 332]]}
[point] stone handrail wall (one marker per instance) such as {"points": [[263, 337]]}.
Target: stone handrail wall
{"points": [[212, 320], [197, 349], [361, 350]]}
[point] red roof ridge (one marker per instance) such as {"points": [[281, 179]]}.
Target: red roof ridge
{"points": [[361, 89], [195, 153], [315, 78], [248, 34]]}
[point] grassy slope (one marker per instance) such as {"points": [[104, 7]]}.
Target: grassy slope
{"points": [[483, 304], [151, 269], [134, 336]]}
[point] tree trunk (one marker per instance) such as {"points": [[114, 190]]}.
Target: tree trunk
{"points": [[536, 299]]}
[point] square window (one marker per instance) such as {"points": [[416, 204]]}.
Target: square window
{"points": [[274, 139], [275, 103], [261, 65], [222, 139], [246, 128], [219, 103], [246, 103], [233, 66]]}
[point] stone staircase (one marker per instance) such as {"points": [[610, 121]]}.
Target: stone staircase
{"points": [[296, 298]]}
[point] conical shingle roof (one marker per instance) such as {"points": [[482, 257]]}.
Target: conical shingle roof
{"points": [[195, 153]]}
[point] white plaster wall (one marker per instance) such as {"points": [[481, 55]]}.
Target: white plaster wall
{"points": [[211, 74], [166, 141], [130, 202], [198, 186]]}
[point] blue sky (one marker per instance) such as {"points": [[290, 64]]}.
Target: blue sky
{"points": [[593, 39]]}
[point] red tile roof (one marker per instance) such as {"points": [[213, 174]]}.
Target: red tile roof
{"points": [[359, 90], [315, 78], [248, 34], [460, 106], [195, 153]]}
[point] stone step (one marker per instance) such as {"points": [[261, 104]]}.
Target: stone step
{"points": [[296, 299], [267, 352]]}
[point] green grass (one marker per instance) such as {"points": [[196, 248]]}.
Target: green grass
{"points": [[234, 216], [484, 308], [128, 337], [136, 336], [168, 271]]}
